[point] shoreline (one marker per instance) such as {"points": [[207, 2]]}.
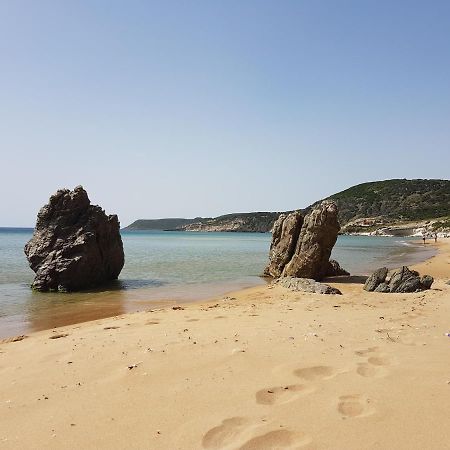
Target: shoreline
{"points": [[127, 301], [359, 366]]}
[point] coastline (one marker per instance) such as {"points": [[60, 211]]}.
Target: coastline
{"points": [[359, 366], [58, 310]]}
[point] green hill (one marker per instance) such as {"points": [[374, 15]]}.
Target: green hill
{"points": [[383, 202], [402, 200], [160, 224]]}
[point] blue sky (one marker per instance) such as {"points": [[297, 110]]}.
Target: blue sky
{"points": [[195, 108]]}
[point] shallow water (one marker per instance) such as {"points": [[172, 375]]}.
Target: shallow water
{"points": [[168, 267]]}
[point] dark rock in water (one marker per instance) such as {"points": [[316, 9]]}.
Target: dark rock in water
{"points": [[75, 245], [402, 280], [382, 287], [285, 234], [307, 285], [316, 240], [378, 277], [426, 281], [335, 270]]}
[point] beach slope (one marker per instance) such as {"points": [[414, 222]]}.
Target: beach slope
{"points": [[259, 369]]}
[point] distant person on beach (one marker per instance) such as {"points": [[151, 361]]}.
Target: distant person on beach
{"points": [[435, 237], [423, 237]]}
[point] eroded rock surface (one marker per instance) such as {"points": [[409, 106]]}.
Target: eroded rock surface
{"points": [[378, 277], [335, 270], [75, 245], [285, 234], [306, 285], [401, 280], [301, 247], [315, 243]]}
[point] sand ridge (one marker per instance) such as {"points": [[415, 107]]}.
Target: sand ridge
{"points": [[263, 368]]}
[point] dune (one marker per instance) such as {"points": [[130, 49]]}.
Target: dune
{"points": [[262, 368]]}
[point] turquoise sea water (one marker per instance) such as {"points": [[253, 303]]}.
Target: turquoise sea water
{"points": [[168, 267]]}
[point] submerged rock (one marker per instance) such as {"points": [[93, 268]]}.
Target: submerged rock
{"points": [[315, 243], [285, 234], [378, 277], [306, 285], [75, 245], [401, 280]]}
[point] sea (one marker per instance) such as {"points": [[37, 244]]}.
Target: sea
{"points": [[164, 268]]}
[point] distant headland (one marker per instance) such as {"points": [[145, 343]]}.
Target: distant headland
{"points": [[389, 207]]}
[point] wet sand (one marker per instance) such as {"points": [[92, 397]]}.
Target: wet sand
{"points": [[262, 368]]}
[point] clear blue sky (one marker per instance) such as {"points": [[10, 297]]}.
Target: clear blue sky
{"points": [[204, 107]]}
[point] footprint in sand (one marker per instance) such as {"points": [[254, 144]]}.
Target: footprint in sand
{"points": [[369, 370], [281, 394], [225, 433], [374, 365], [378, 361], [367, 351], [354, 406], [315, 373], [277, 439]]}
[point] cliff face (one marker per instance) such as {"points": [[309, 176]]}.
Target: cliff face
{"points": [[259, 222]]}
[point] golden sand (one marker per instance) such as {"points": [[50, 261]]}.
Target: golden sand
{"points": [[263, 368]]}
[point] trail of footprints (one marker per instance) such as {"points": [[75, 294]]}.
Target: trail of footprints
{"points": [[236, 433], [375, 365], [244, 434]]}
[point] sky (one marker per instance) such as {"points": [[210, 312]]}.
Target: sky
{"points": [[200, 108]]}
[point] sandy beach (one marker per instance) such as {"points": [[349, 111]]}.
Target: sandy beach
{"points": [[263, 368]]}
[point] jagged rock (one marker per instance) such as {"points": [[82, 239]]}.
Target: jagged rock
{"points": [[75, 245], [382, 287], [405, 280], [335, 270], [401, 280], [306, 285], [316, 240], [285, 234], [378, 277]]}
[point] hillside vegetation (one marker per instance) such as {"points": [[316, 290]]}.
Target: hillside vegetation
{"points": [[405, 200], [382, 202]]}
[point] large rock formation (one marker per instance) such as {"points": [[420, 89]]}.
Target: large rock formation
{"points": [[75, 245], [401, 280], [285, 234], [301, 248]]}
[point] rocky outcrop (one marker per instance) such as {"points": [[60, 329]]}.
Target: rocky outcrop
{"points": [[316, 240], [285, 234], [306, 285], [75, 245], [301, 248], [376, 279], [335, 270], [401, 280]]}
